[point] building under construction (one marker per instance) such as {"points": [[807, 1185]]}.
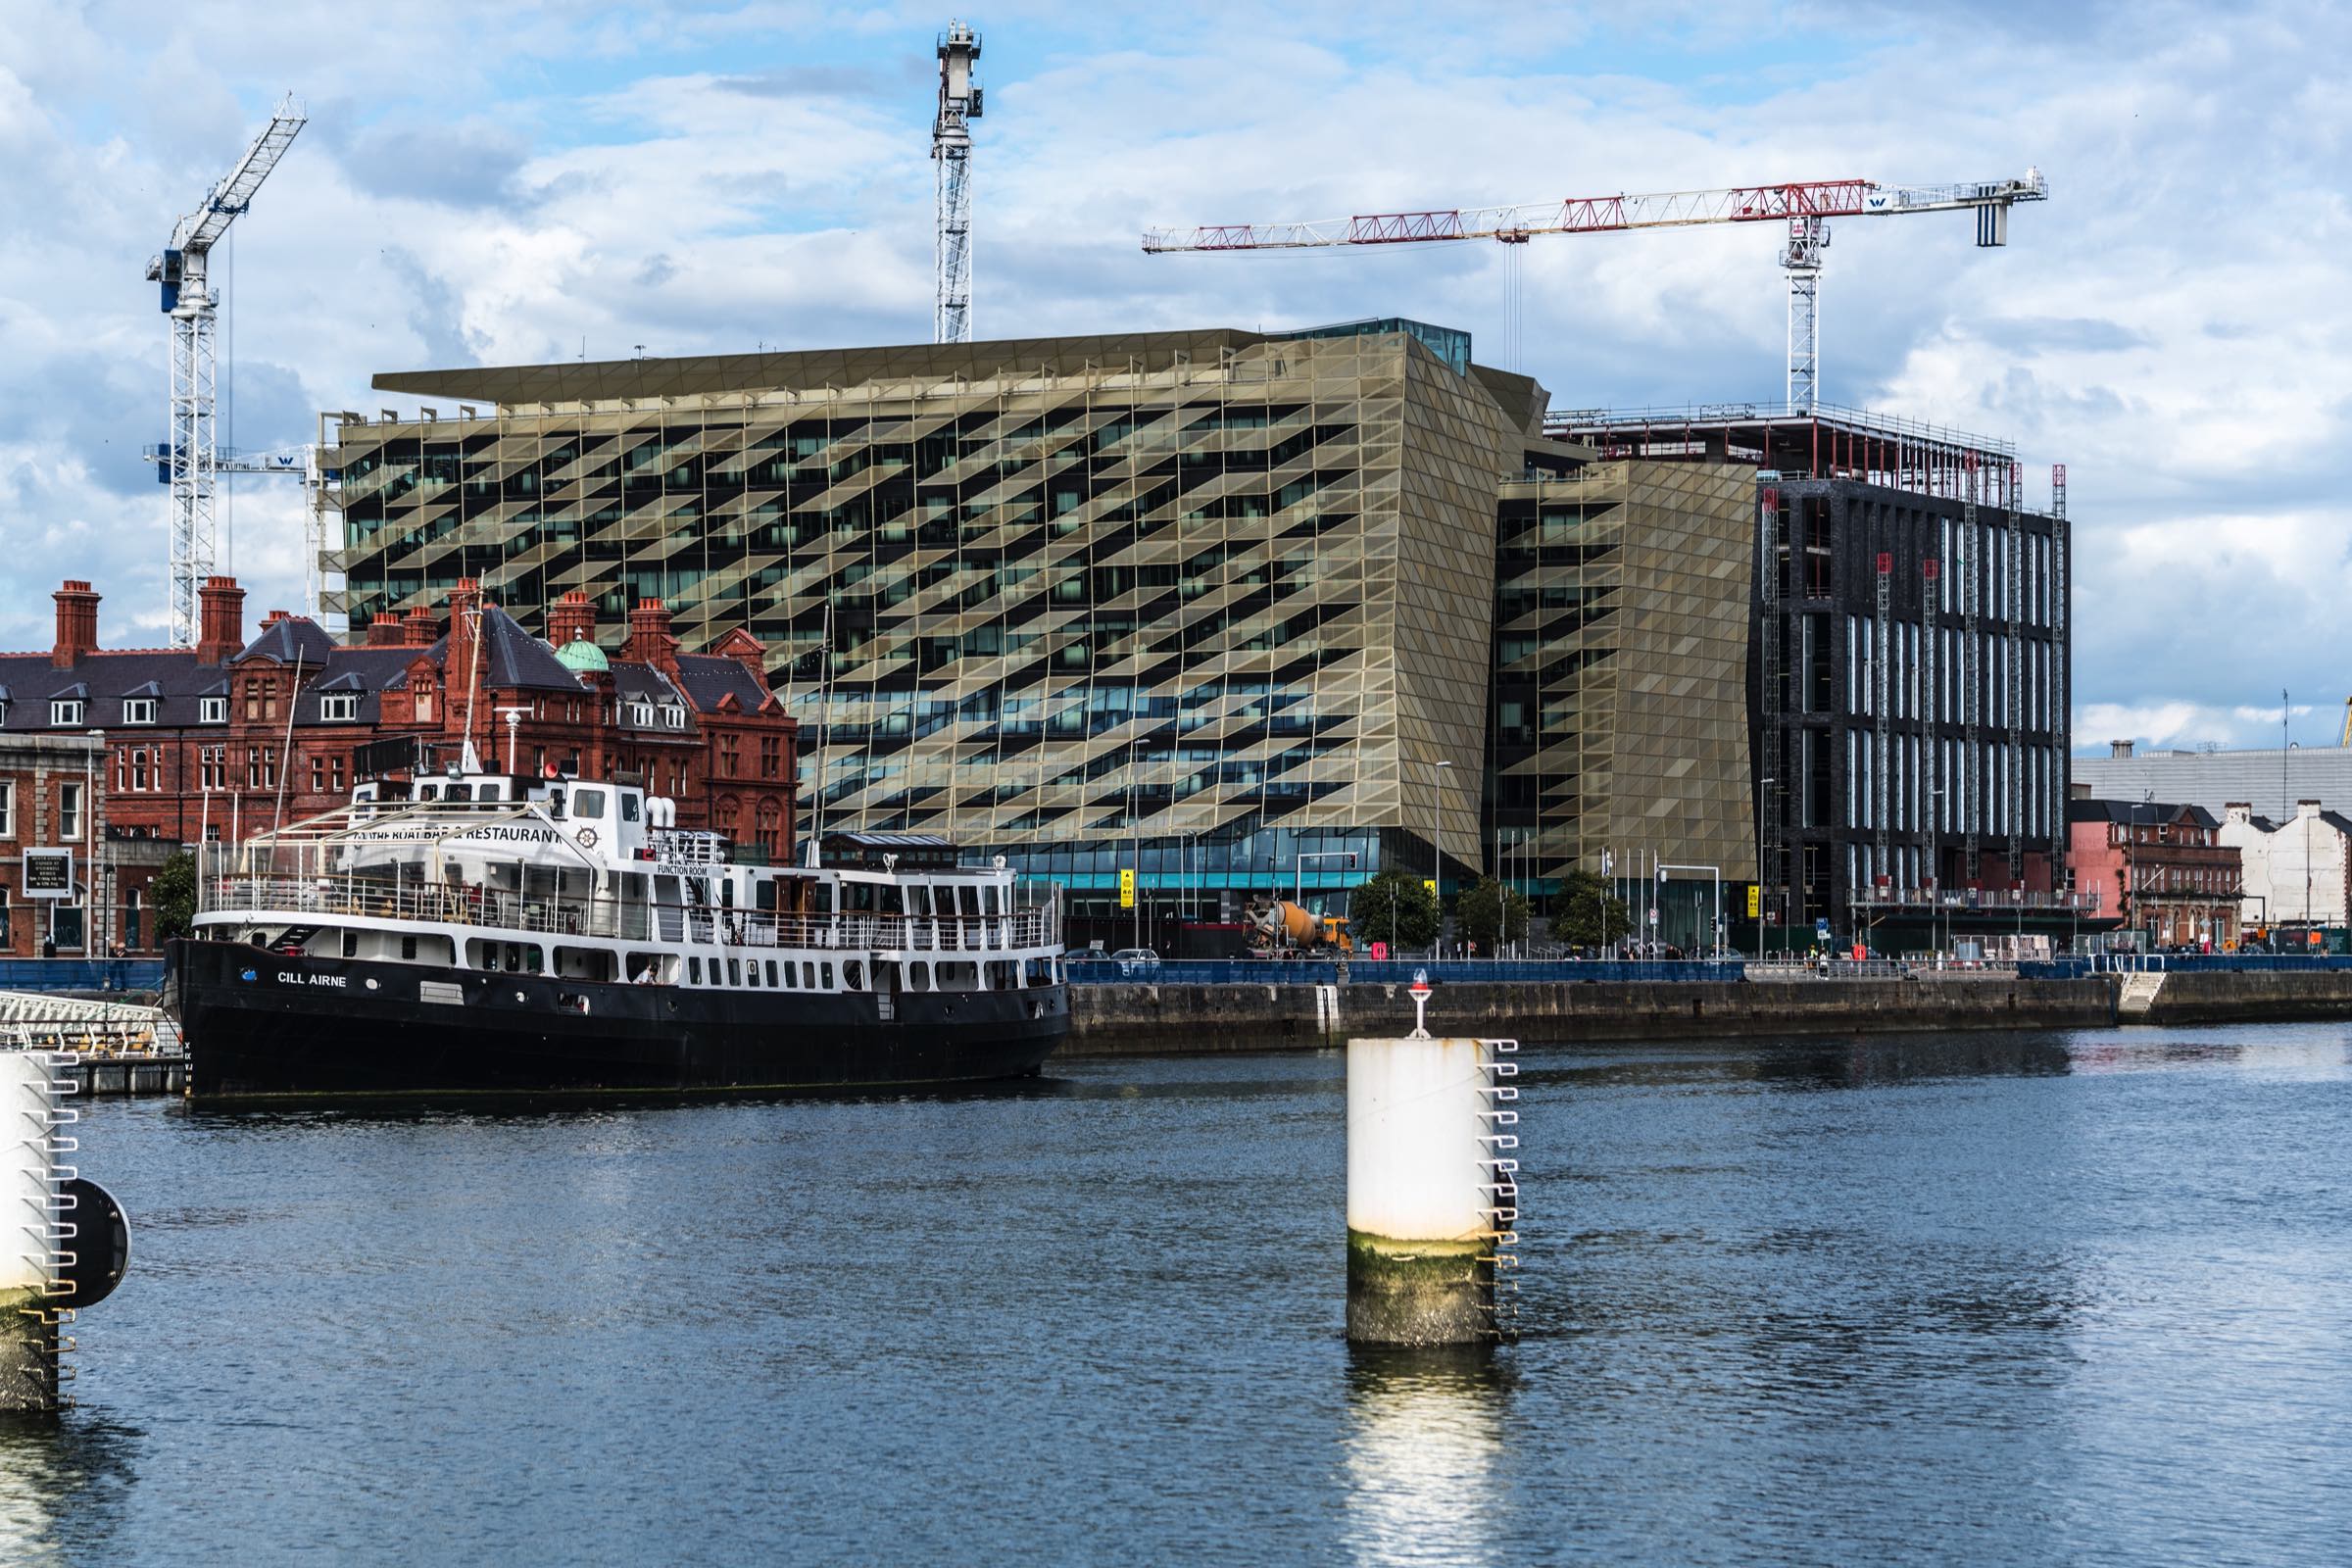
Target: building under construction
{"points": [[1909, 691]]}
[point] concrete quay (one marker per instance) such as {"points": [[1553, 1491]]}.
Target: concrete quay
{"points": [[1140, 1018]]}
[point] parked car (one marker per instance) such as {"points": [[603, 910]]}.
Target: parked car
{"points": [[1132, 959]]}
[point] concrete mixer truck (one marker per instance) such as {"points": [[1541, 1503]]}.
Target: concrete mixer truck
{"points": [[1284, 929]]}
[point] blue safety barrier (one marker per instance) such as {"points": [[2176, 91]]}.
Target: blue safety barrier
{"points": [[81, 974], [1456, 971]]}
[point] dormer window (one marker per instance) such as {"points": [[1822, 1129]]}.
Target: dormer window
{"points": [[212, 709], [641, 714], [139, 709], [65, 710], [339, 707], [674, 715]]}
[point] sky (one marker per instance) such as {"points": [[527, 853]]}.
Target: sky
{"points": [[515, 183]]}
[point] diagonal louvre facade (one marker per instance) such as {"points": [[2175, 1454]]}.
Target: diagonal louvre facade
{"points": [[1226, 594]]}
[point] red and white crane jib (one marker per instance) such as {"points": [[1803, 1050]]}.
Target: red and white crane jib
{"points": [[1588, 215]]}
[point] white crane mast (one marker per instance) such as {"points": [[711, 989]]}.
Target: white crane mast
{"points": [[1804, 206], [192, 456], [959, 102]]}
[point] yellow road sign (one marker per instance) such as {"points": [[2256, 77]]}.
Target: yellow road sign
{"points": [[1755, 899], [1430, 885], [1126, 888]]}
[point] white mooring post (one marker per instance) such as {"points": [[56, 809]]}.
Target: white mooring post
{"points": [[31, 1264], [1433, 1188]]}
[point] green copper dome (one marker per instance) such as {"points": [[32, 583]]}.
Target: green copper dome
{"points": [[581, 655]]}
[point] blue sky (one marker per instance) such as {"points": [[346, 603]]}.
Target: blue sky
{"points": [[509, 183]]}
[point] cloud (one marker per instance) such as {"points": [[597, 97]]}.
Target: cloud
{"points": [[2171, 323]]}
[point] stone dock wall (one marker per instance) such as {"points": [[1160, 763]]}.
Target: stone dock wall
{"points": [[1144, 1018]]}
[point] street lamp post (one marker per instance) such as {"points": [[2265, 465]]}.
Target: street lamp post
{"points": [[1437, 852], [1763, 808]]}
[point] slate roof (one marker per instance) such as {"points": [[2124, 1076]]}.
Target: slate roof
{"points": [[707, 677], [176, 682], [295, 640], [2146, 813]]}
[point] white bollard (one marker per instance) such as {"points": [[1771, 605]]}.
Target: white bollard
{"points": [[1432, 1188], [29, 1144]]}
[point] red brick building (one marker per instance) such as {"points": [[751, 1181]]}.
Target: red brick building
{"points": [[236, 735], [2162, 867]]}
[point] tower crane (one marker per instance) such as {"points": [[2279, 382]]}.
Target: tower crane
{"points": [[191, 461], [959, 102], [1806, 207]]}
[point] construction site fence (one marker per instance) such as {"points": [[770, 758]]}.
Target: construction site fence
{"points": [[2079, 966]]}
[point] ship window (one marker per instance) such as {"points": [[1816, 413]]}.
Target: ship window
{"points": [[792, 977], [588, 805], [988, 899], [918, 898], [555, 804], [693, 970], [852, 975], [958, 977], [408, 949], [825, 974], [350, 944], [969, 897], [751, 971], [734, 971], [628, 806], [764, 895], [918, 976], [771, 971], [809, 977], [457, 792]]}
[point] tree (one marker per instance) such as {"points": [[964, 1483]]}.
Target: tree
{"points": [[1395, 908], [1491, 914], [172, 894], [1584, 914]]}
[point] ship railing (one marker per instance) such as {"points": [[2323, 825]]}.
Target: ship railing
{"points": [[453, 904]]}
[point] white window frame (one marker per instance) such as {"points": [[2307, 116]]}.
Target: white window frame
{"points": [[72, 806], [64, 713], [338, 706], [212, 711], [674, 715], [641, 714], [139, 709], [8, 807]]}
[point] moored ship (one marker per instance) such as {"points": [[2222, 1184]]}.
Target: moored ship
{"points": [[485, 932]]}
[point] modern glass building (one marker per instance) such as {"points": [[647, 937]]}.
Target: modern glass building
{"points": [[1221, 604]]}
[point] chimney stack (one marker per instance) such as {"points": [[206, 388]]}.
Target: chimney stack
{"points": [[420, 630], [219, 620], [76, 625], [385, 631], [2119, 750], [571, 620], [649, 641]]}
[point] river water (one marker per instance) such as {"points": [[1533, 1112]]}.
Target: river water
{"points": [[2023, 1298]]}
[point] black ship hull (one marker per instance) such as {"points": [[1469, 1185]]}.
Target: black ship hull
{"points": [[259, 1024]]}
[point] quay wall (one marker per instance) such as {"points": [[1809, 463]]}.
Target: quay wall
{"points": [[1139, 1018], [2251, 996]]}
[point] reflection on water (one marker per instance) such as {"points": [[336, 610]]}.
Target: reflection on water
{"points": [[1424, 1446], [2019, 1298], [63, 1477]]}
